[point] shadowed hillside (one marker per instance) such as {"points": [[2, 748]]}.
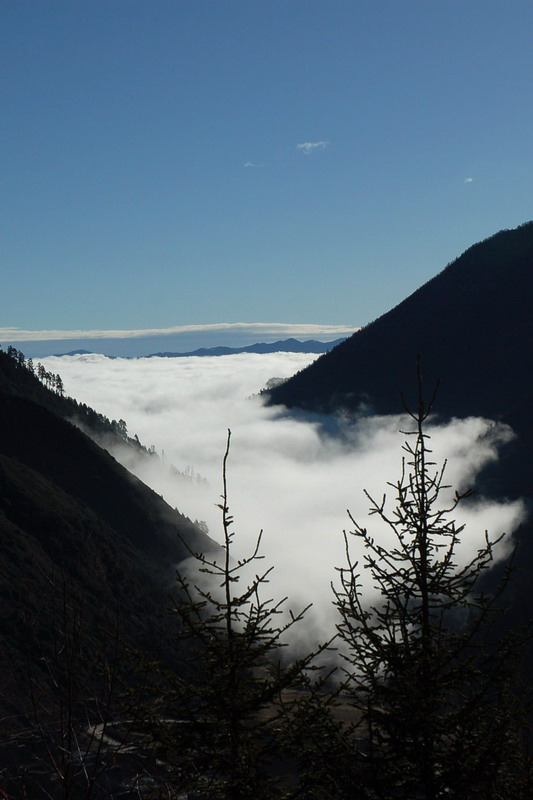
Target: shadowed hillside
{"points": [[80, 535], [472, 325]]}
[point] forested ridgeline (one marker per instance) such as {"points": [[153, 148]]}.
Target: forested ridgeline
{"points": [[22, 377]]}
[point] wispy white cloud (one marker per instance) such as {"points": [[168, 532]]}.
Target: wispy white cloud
{"points": [[468, 180], [255, 328], [309, 147]]}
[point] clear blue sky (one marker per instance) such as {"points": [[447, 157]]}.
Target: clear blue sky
{"points": [[151, 174]]}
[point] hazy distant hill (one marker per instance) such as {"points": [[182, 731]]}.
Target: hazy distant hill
{"points": [[283, 346], [80, 352]]}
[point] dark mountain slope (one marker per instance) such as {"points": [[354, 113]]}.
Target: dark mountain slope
{"points": [[51, 545], [62, 454], [472, 325], [34, 430], [19, 378], [83, 544]]}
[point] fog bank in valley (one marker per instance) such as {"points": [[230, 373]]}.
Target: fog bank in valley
{"points": [[285, 476]]}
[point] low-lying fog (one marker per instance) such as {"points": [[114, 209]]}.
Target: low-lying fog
{"points": [[285, 477]]}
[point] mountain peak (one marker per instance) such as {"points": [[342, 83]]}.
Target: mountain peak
{"points": [[471, 324]]}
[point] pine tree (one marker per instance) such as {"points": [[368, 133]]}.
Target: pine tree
{"points": [[224, 719], [58, 384], [435, 697]]}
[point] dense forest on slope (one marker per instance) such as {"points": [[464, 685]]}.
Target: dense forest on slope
{"points": [[74, 522]]}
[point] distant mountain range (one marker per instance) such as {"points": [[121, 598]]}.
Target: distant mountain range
{"points": [[282, 346]]}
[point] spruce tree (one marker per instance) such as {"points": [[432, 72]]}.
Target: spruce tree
{"points": [[220, 726], [434, 696]]}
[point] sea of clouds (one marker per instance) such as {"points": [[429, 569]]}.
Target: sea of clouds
{"points": [[287, 476]]}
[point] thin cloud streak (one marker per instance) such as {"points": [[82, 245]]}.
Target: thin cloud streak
{"points": [[309, 147], [285, 476], [254, 328]]}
